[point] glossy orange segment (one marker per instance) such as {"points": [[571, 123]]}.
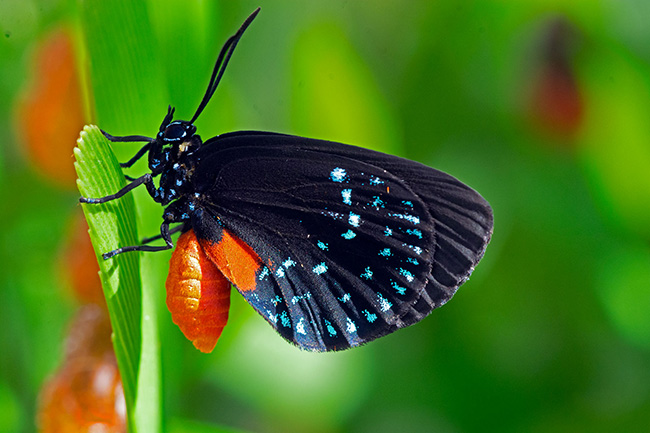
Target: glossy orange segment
{"points": [[235, 259], [198, 294]]}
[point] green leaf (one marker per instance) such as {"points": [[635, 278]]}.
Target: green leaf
{"points": [[112, 225]]}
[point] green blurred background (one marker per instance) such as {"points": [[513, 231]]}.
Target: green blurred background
{"points": [[542, 106]]}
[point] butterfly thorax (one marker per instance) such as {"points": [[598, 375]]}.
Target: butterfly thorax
{"points": [[171, 156]]}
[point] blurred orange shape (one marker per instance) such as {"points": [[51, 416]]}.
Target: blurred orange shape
{"points": [[85, 396], [80, 264], [86, 393], [49, 113], [556, 104]]}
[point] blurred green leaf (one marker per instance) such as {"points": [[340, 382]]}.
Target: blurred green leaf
{"points": [[124, 69], [10, 410], [624, 288], [295, 386], [615, 149], [188, 426], [335, 96]]}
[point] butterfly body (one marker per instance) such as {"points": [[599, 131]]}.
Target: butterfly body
{"points": [[334, 245], [198, 294]]}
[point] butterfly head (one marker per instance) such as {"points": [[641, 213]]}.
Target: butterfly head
{"points": [[174, 131], [177, 131], [177, 136], [175, 141]]}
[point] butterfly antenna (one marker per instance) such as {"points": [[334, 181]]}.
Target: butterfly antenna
{"points": [[222, 62], [168, 118]]}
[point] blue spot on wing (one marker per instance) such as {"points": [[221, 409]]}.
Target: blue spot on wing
{"points": [[338, 174], [284, 320], [370, 317], [320, 268], [347, 196], [399, 289], [330, 328]]}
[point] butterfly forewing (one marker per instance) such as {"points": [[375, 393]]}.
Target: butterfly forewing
{"points": [[347, 247]]}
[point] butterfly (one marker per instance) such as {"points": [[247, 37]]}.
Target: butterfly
{"points": [[334, 245]]}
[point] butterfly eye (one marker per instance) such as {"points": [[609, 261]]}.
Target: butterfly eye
{"points": [[174, 132]]}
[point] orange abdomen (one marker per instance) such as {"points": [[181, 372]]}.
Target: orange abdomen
{"points": [[198, 294]]}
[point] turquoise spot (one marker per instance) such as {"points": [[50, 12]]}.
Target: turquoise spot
{"points": [[370, 317], [264, 273], [410, 218], [384, 304], [330, 329], [351, 327], [378, 203], [399, 289], [414, 232], [272, 317], [284, 320], [354, 220], [298, 298], [338, 174], [417, 250], [347, 196], [288, 263], [320, 268], [367, 274], [300, 327], [406, 274]]}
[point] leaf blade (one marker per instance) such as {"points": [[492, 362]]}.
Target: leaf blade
{"points": [[112, 225]]}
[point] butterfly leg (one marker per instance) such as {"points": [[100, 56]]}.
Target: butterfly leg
{"points": [[130, 138], [164, 234], [146, 179], [176, 229]]}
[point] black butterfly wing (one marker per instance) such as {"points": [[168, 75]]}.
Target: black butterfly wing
{"points": [[348, 239]]}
